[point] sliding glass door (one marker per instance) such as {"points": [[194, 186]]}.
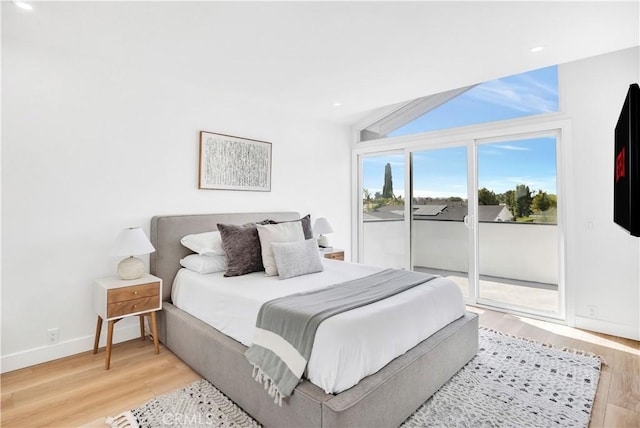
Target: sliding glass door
{"points": [[483, 212], [382, 225], [440, 238], [518, 234]]}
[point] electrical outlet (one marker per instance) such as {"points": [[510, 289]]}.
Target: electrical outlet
{"points": [[53, 336], [593, 311]]}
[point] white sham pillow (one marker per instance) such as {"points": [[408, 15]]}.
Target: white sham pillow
{"points": [[206, 244], [297, 258], [205, 264], [281, 232]]}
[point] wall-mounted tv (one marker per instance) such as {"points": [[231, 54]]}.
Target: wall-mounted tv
{"points": [[626, 187]]}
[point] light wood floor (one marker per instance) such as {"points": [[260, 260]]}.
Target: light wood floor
{"points": [[76, 390]]}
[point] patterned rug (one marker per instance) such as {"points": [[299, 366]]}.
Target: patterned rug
{"points": [[512, 382]]}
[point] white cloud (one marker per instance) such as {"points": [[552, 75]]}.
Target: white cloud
{"points": [[510, 147], [514, 96]]}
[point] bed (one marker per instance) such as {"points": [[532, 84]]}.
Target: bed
{"points": [[385, 398]]}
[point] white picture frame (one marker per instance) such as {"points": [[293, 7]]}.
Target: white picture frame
{"points": [[234, 163]]}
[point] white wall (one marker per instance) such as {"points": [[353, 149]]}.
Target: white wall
{"points": [[603, 265], [88, 149]]}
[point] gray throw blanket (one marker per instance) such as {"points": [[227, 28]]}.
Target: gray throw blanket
{"points": [[286, 327]]}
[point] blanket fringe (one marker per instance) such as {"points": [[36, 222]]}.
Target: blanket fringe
{"points": [[123, 420], [268, 383]]}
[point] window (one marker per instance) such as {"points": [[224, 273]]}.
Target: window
{"points": [[520, 176], [383, 187], [531, 93]]}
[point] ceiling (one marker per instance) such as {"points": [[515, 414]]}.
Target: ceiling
{"points": [[302, 57]]}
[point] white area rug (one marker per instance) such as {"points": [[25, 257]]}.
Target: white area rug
{"points": [[515, 383], [512, 382]]}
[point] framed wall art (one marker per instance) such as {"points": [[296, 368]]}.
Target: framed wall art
{"points": [[234, 163]]}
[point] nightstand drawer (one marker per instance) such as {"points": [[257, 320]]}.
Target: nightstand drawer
{"points": [[338, 255], [133, 292], [132, 306]]}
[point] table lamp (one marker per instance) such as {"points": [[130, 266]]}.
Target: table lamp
{"points": [[131, 242], [320, 227]]}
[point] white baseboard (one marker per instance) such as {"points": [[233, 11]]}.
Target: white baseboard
{"points": [[606, 327], [47, 353]]}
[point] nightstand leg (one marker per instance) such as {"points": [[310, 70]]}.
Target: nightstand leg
{"points": [[142, 327], [97, 339], [154, 330], [107, 362]]}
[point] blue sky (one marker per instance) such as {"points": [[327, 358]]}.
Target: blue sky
{"points": [[501, 165], [510, 97]]}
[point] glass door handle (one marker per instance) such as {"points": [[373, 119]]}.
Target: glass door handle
{"points": [[467, 221]]}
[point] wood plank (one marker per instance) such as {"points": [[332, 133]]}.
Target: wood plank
{"points": [[600, 402], [625, 382], [621, 417]]}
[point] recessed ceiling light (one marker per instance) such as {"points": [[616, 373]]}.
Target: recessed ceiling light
{"points": [[23, 5], [337, 104], [537, 49]]}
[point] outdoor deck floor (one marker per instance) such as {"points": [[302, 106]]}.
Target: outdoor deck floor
{"points": [[532, 295]]}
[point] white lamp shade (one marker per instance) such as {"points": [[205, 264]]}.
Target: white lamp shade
{"points": [[322, 226], [132, 242]]}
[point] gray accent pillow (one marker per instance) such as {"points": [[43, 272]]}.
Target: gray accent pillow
{"points": [[306, 225], [242, 246], [270, 233], [297, 258]]}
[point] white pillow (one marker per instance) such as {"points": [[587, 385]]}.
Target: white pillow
{"points": [[207, 243], [297, 258], [205, 264], [281, 232]]}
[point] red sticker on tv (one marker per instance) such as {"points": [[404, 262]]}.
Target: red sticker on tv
{"points": [[620, 163]]}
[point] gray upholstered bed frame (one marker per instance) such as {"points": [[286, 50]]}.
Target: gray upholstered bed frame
{"points": [[384, 399]]}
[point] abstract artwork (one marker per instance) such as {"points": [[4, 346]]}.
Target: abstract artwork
{"points": [[233, 163]]}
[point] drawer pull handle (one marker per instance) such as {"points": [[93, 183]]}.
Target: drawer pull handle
{"points": [[135, 292], [135, 306]]}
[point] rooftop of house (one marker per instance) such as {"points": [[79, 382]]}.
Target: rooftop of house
{"points": [[453, 211]]}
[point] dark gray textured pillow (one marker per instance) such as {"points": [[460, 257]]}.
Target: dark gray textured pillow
{"points": [[296, 258], [306, 225], [242, 245]]}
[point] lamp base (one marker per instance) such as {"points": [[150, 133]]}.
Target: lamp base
{"points": [[323, 241], [130, 268]]}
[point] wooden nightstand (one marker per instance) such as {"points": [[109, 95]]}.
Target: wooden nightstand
{"points": [[332, 254], [115, 298]]}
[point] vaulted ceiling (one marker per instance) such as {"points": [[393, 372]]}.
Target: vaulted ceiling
{"points": [[307, 56]]}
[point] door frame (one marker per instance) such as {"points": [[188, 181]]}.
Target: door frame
{"points": [[557, 133], [471, 228], [358, 238]]}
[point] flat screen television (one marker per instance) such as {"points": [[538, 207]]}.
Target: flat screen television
{"points": [[626, 187]]}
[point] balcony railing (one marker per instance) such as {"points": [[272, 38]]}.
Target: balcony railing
{"points": [[520, 251]]}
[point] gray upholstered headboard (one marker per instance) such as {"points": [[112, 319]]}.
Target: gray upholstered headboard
{"points": [[166, 232]]}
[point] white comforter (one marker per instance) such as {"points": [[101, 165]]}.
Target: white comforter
{"points": [[348, 346]]}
